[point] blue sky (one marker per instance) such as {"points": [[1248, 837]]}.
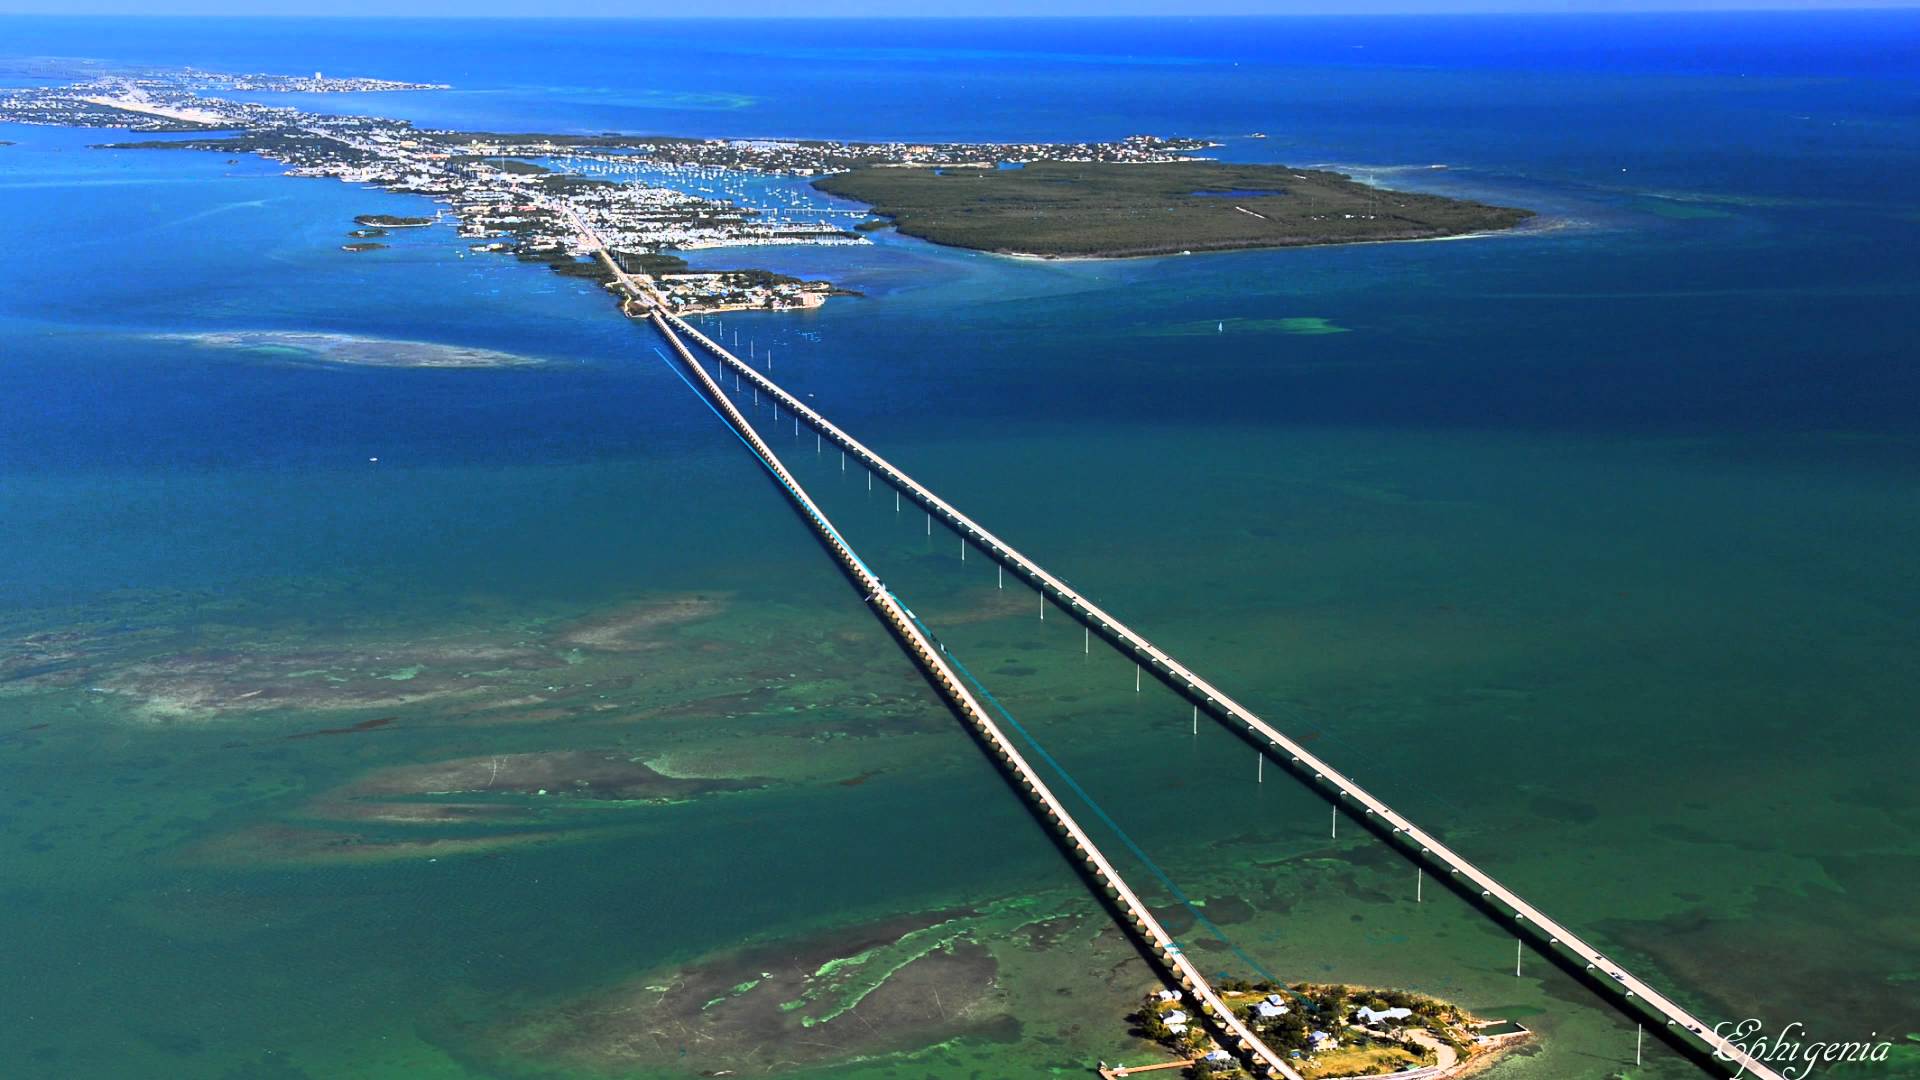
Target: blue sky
{"points": [[776, 8]]}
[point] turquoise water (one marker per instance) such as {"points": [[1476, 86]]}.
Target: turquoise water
{"points": [[1590, 547]]}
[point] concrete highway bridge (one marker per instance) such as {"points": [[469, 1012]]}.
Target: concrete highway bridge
{"points": [[932, 659], [1638, 997]]}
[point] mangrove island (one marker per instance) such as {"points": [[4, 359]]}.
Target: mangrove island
{"points": [[1087, 209]]}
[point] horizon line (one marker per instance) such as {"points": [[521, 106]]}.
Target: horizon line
{"points": [[1781, 7]]}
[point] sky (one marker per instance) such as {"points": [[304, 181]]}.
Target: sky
{"points": [[847, 8]]}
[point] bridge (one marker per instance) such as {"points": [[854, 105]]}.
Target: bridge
{"points": [[1553, 937], [932, 659]]}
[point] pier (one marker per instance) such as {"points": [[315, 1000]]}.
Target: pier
{"points": [[1633, 993], [1116, 1072]]}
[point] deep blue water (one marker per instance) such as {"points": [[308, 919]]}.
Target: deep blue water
{"points": [[1636, 490]]}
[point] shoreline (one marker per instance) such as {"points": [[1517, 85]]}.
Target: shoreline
{"points": [[1534, 226], [1095, 210], [1548, 225]]}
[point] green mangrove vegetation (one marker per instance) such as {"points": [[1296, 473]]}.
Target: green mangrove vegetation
{"points": [[1104, 209]]}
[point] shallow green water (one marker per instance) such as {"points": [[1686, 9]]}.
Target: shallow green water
{"points": [[1590, 549]]}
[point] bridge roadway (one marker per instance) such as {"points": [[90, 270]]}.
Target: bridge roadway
{"points": [[933, 659], [1264, 736]]}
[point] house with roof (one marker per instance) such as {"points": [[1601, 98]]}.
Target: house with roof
{"points": [[1367, 1015]]}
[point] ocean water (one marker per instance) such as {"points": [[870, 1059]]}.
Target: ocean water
{"points": [[1590, 547]]}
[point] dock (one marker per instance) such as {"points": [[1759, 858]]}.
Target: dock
{"points": [[1116, 1072]]}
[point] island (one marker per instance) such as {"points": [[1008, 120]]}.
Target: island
{"points": [[1328, 1031], [1086, 209], [391, 221], [621, 209]]}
